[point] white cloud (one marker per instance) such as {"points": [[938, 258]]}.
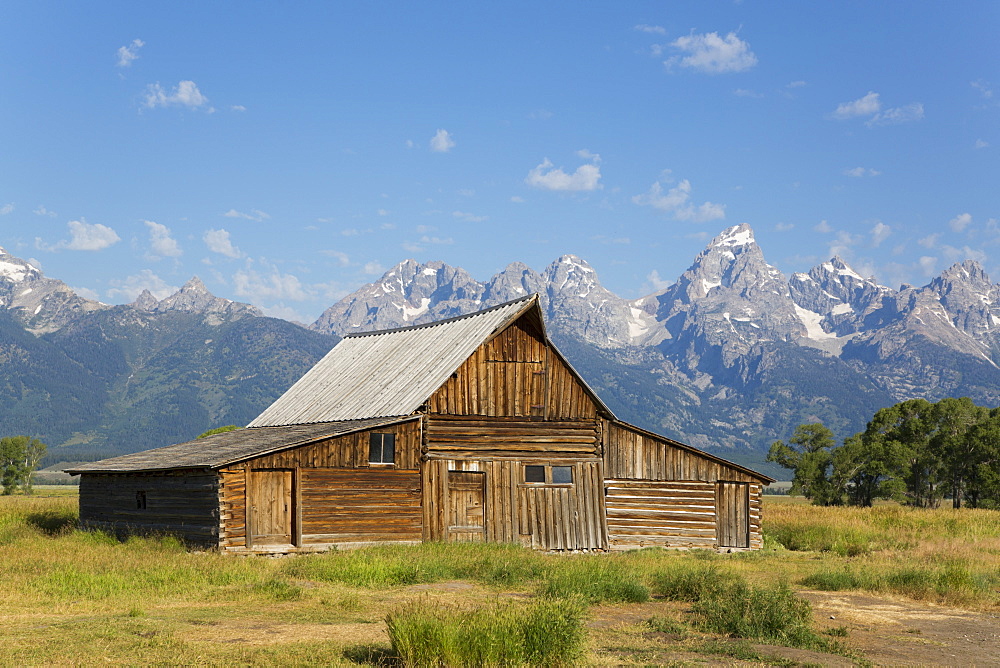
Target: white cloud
{"points": [[880, 232], [657, 283], [373, 268], [676, 202], [658, 30], [960, 222], [410, 144], [517, 199], [411, 247], [184, 94], [126, 54], [350, 232], [6, 208], [382, 212], [843, 243], [42, 211], [342, 258], [823, 227], [896, 115], [863, 106], [87, 237], [926, 264], [540, 115], [548, 177], [132, 286], [268, 284], [983, 87], [160, 240], [796, 84], [860, 172], [587, 155], [237, 107], [712, 54], [255, 214], [964, 253], [469, 217], [981, 144], [930, 241], [784, 227], [744, 92], [442, 142], [218, 242], [436, 240]]}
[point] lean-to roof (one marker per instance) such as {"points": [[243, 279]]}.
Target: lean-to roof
{"points": [[390, 372], [230, 447]]}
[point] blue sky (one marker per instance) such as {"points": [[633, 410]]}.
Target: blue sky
{"points": [[288, 153]]}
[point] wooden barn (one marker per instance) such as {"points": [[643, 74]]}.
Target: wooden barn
{"points": [[469, 429]]}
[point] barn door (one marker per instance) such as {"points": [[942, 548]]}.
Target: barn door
{"points": [[732, 512], [270, 505], [466, 502]]}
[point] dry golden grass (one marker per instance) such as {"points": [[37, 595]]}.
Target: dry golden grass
{"points": [[76, 597]]}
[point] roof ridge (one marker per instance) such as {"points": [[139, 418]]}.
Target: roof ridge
{"points": [[427, 325]]}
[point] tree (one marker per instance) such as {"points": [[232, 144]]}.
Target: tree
{"points": [[19, 457], [905, 429], [809, 454], [950, 442], [982, 484], [865, 468]]}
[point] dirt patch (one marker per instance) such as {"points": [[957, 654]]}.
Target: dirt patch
{"points": [[273, 634], [891, 631]]}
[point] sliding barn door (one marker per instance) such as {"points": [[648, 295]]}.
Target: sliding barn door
{"points": [[732, 507], [270, 505]]}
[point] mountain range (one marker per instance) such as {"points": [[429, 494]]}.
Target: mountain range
{"points": [[731, 356]]}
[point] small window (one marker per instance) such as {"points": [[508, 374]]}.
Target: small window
{"points": [[552, 475], [562, 475], [382, 449], [534, 474], [140, 500]]}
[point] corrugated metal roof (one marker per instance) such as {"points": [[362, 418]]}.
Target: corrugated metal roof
{"points": [[390, 372], [229, 447]]}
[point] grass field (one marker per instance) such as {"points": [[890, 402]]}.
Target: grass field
{"points": [[77, 597]]}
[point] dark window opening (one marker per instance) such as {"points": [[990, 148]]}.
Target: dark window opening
{"points": [[534, 474], [552, 475], [381, 448], [140, 500], [562, 475]]}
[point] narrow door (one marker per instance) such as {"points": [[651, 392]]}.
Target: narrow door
{"points": [[732, 513], [270, 502], [466, 504]]}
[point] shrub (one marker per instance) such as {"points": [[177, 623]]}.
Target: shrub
{"points": [[596, 580], [690, 582], [547, 633]]}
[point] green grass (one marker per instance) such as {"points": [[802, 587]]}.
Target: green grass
{"points": [[548, 632]]}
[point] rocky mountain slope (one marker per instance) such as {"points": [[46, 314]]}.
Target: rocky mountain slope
{"points": [[731, 356], [93, 380]]}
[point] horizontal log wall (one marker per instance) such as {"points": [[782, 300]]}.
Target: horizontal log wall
{"points": [[348, 451], [233, 508], [549, 517], [464, 437], [183, 503], [514, 374], [360, 505], [631, 454], [668, 514]]}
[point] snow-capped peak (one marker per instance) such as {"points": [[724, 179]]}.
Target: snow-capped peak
{"points": [[738, 235]]}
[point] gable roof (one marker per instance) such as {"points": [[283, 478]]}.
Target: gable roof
{"points": [[230, 447], [393, 372]]}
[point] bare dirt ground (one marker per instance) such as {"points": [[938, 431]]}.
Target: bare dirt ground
{"points": [[886, 631]]}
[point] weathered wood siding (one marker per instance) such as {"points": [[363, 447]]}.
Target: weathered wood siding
{"points": [[632, 454], [336, 495], [544, 516], [343, 505], [181, 503], [483, 438], [662, 494], [514, 374], [348, 451]]}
